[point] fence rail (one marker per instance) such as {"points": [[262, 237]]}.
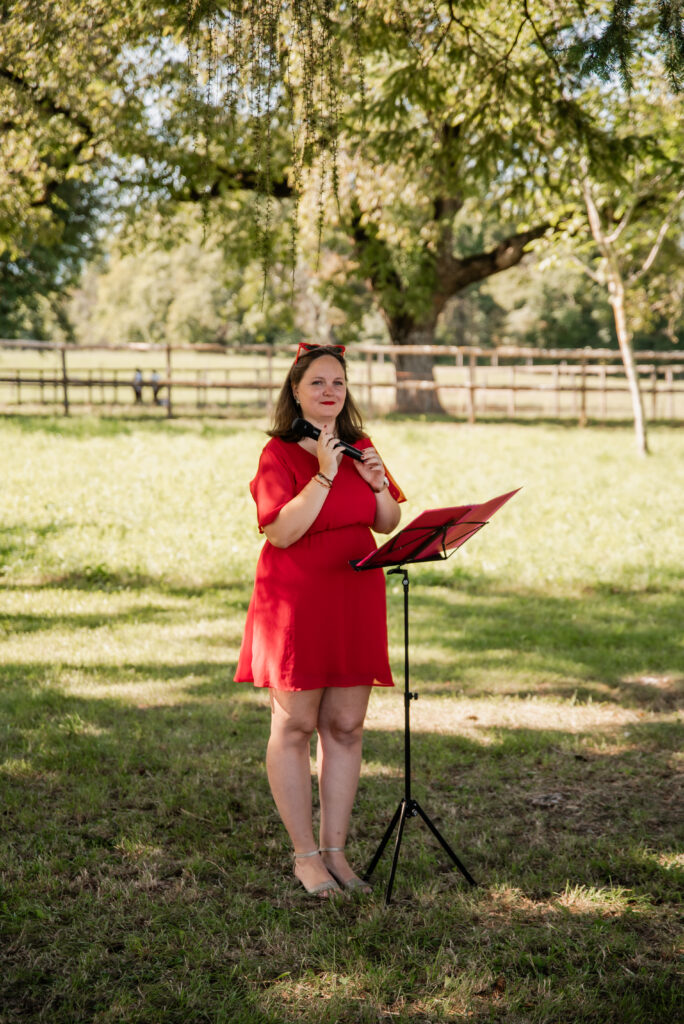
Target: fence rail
{"points": [[209, 379]]}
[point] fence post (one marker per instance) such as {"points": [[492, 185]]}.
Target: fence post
{"points": [[65, 382], [654, 391], [583, 393], [269, 381], [472, 364], [369, 383], [511, 393], [168, 379]]}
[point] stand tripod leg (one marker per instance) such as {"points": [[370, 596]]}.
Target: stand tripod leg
{"points": [[403, 811], [405, 805], [445, 846], [383, 843]]}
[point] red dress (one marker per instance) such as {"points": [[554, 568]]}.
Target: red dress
{"points": [[313, 621]]}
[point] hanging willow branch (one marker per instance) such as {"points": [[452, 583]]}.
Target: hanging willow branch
{"points": [[270, 54]]}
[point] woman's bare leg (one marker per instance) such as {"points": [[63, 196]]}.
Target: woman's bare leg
{"points": [[340, 739], [293, 721]]}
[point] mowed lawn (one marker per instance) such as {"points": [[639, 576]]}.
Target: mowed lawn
{"points": [[144, 874]]}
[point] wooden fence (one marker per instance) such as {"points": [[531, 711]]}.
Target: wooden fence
{"points": [[472, 383]]}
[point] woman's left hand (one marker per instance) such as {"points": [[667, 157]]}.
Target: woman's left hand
{"points": [[371, 468]]}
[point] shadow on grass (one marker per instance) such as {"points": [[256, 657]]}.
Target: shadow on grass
{"points": [[146, 874], [522, 788], [24, 539], [19, 622], [467, 635], [624, 647], [26, 623], [99, 579]]}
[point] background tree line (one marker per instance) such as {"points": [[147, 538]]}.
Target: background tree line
{"points": [[189, 293]]}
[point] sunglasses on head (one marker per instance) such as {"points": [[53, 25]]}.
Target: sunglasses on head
{"points": [[305, 347]]}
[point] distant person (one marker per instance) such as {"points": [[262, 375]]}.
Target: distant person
{"points": [[138, 386], [155, 381], [316, 632]]}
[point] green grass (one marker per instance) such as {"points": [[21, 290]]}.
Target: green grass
{"points": [[144, 874]]}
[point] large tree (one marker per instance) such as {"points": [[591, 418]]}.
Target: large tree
{"points": [[452, 117], [454, 156], [412, 120], [93, 84]]}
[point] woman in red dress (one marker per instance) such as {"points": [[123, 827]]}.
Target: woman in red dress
{"points": [[316, 631]]}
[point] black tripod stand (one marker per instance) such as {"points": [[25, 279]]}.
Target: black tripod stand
{"points": [[408, 807], [431, 537]]}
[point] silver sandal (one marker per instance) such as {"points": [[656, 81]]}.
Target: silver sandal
{"points": [[352, 884], [324, 889]]}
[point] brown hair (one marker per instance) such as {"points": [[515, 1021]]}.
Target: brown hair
{"points": [[349, 421]]}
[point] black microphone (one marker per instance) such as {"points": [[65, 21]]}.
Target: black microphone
{"points": [[306, 429]]}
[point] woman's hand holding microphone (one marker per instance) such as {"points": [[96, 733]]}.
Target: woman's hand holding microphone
{"points": [[372, 470], [327, 454]]}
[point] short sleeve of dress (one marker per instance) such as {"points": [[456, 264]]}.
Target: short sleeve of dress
{"points": [[272, 487]]}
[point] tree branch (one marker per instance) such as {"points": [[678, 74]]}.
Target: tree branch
{"points": [[462, 272], [598, 234], [542, 43], [230, 179], [660, 238], [451, 274], [614, 235], [585, 269]]}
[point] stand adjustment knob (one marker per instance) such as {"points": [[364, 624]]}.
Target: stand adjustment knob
{"points": [[413, 696]]}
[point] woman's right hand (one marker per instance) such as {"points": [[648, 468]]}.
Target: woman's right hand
{"points": [[327, 453]]}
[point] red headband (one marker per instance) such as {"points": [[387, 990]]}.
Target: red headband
{"points": [[305, 346]]}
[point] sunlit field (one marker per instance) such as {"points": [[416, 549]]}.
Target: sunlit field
{"points": [[145, 875]]}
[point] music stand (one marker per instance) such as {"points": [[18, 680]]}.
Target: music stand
{"points": [[433, 536]]}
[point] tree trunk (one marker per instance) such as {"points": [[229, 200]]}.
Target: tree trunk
{"points": [[451, 276], [415, 370], [616, 297], [624, 336]]}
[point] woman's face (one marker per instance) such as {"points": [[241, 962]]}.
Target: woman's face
{"points": [[322, 390]]}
